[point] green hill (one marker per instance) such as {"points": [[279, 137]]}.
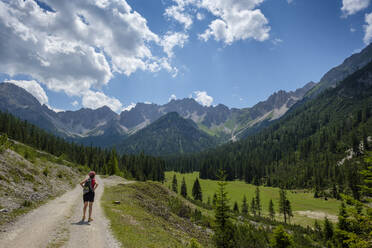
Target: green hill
{"points": [[169, 135]]}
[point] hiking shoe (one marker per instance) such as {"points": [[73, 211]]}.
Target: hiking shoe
{"points": [[90, 219]]}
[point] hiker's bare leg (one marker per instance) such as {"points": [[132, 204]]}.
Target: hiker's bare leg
{"points": [[90, 210], [85, 209]]}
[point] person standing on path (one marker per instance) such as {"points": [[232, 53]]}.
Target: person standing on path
{"points": [[89, 186]]}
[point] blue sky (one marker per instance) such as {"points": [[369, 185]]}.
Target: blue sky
{"points": [[146, 51]]}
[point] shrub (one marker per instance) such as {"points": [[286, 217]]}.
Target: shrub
{"points": [[194, 244], [46, 171]]}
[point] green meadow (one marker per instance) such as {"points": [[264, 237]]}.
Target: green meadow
{"points": [[305, 207]]}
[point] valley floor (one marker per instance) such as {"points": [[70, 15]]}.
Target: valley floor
{"points": [[58, 223], [306, 208]]}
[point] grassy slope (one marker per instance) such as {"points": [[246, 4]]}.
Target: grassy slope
{"points": [[27, 179], [300, 200], [145, 219]]}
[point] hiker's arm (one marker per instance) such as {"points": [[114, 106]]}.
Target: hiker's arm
{"points": [[83, 182], [95, 186]]}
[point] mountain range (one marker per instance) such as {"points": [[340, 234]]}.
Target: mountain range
{"points": [[216, 124]]}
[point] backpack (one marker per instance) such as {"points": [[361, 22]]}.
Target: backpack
{"points": [[88, 186]]}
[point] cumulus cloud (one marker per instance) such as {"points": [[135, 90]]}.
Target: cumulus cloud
{"points": [[75, 103], [96, 100], [235, 19], [75, 46], [368, 29], [33, 88], [129, 107], [171, 40], [203, 98], [178, 13], [172, 97], [350, 7]]}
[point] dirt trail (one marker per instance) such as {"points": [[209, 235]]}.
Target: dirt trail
{"points": [[58, 223]]}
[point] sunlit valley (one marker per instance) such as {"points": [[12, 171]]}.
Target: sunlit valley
{"points": [[186, 123]]}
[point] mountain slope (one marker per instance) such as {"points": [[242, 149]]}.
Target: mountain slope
{"points": [[305, 147], [102, 127], [339, 73], [171, 134], [28, 178]]}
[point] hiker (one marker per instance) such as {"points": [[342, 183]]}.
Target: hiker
{"points": [[89, 186]]}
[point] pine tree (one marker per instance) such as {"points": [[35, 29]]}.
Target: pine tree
{"points": [[328, 229], [289, 210], [318, 230], [112, 165], [342, 218], [197, 191], [236, 208], [281, 239], [258, 201], [214, 201], [253, 207], [245, 206], [224, 229], [183, 188], [271, 210], [175, 184], [284, 205]]}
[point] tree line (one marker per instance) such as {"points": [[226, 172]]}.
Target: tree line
{"points": [[104, 161], [304, 149]]}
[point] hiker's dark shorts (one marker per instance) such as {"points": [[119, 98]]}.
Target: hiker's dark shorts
{"points": [[88, 197]]}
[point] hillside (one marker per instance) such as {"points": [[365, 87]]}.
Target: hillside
{"points": [[340, 72], [29, 177], [171, 134], [150, 215], [304, 148]]}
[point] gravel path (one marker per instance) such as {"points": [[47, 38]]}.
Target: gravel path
{"points": [[57, 223]]}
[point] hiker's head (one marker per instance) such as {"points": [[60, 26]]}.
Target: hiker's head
{"points": [[92, 174]]}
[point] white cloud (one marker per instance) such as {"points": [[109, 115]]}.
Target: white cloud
{"points": [[368, 29], [235, 19], [129, 107], [177, 12], [75, 103], [203, 98], [290, 1], [96, 100], [277, 41], [33, 88], [352, 30], [350, 7], [200, 16], [77, 47], [172, 97], [57, 110], [171, 40]]}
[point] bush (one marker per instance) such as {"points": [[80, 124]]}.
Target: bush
{"points": [[281, 239], [194, 244], [27, 203], [179, 208], [46, 171]]}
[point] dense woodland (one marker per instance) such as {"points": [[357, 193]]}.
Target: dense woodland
{"points": [[304, 148], [140, 167]]}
